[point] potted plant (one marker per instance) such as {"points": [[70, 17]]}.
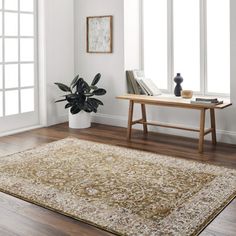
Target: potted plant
{"points": [[80, 101]]}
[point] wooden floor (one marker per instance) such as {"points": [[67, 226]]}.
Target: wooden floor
{"points": [[20, 218]]}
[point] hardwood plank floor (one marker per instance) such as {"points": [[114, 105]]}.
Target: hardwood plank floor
{"points": [[21, 218]]}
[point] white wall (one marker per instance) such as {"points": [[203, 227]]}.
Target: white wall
{"points": [[56, 55], [112, 67]]}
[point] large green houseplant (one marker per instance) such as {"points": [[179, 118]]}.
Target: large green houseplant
{"points": [[80, 100]]}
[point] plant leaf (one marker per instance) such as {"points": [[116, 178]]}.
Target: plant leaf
{"points": [[91, 107], [79, 85], [61, 100], [87, 108], [86, 87], [99, 92], [75, 109], [96, 100], [82, 86], [74, 81], [96, 79], [92, 103], [68, 105], [63, 87], [93, 87], [89, 94], [71, 96]]}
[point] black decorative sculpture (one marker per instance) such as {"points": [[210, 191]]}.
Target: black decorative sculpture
{"points": [[178, 80]]}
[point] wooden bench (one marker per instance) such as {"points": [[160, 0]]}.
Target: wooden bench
{"points": [[169, 101]]}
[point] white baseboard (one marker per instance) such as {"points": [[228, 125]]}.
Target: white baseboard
{"points": [[57, 120], [223, 136], [105, 119], [20, 130]]}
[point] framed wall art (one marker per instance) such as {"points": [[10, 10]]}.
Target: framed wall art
{"points": [[99, 34]]}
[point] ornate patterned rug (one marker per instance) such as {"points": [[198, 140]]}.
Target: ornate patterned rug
{"points": [[124, 191]]}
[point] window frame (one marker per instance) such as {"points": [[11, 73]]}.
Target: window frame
{"points": [[19, 62], [170, 50]]}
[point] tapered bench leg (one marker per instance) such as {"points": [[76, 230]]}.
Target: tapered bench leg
{"points": [[144, 117], [202, 130], [213, 126], [130, 118]]}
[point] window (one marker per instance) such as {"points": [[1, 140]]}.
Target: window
{"points": [[218, 46], [17, 57], [187, 37], [155, 47]]}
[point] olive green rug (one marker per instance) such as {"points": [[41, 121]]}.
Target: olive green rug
{"points": [[124, 191]]}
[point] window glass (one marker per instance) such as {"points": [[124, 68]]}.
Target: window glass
{"points": [[198, 40], [0, 50], [27, 5], [26, 24], [17, 57], [218, 46], [186, 26], [1, 105], [11, 76], [11, 102], [1, 80], [27, 75], [27, 100], [11, 50], [26, 49], [11, 24], [11, 5], [155, 41], [0, 23]]}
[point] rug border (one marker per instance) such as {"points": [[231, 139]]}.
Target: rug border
{"points": [[60, 212], [197, 232], [200, 229], [203, 226]]}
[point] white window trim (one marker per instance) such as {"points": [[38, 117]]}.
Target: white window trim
{"points": [[170, 50], [19, 62]]}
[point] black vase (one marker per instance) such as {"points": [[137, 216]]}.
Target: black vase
{"points": [[178, 80]]}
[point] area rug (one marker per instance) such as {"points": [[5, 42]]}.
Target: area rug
{"points": [[124, 191]]}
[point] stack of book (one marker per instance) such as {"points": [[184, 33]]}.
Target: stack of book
{"points": [[138, 84], [213, 101], [133, 86]]}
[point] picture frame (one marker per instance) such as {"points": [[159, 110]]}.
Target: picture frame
{"points": [[99, 34]]}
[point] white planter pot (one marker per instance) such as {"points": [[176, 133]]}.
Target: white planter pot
{"points": [[81, 120]]}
